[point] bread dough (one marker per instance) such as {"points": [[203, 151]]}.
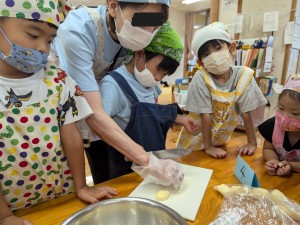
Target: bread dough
{"points": [[162, 195], [259, 192], [223, 189]]}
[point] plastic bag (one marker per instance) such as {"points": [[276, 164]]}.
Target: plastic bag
{"points": [[243, 204], [161, 171]]}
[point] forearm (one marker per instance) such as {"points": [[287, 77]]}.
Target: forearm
{"points": [[249, 127], [73, 149], [269, 154], [4, 210], [104, 126], [179, 119], [295, 166], [206, 130]]}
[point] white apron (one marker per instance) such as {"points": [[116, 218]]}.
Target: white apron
{"points": [[40, 170], [224, 118]]}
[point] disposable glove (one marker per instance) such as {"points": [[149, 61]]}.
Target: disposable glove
{"points": [[161, 171]]}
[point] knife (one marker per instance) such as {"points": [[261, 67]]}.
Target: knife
{"points": [[169, 153]]}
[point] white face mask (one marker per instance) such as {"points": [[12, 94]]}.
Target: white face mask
{"points": [[133, 38], [218, 62], [145, 77]]}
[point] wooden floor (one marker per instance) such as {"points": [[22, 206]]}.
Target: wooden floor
{"points": [[238, 136]]}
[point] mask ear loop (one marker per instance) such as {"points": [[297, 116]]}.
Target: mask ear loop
{"points": [[5, 36], [122, 18], [121, 12]]}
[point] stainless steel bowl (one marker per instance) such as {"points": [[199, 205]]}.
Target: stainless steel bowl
{"points": [[126, 211]]}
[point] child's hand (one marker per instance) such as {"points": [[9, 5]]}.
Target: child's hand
{"points": [[189, 123], [93, 194], [215, 152], [271, 167], [12, 219], [284, 168], [247, 149]]}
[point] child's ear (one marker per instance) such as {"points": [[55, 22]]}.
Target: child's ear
{"points": [[232, 48], [112, 7], [200, 63], [139, 53]]}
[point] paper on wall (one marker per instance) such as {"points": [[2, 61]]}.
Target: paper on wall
{"points": [[293, 60], [237, 22], [269, 55], [297, 16], [296, 37], [270, 21], [288, 33]]}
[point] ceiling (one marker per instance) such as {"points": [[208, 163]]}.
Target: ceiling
{"points": [[175, 4]]}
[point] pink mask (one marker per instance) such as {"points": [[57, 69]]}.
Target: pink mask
{"points": [[287, 124]]}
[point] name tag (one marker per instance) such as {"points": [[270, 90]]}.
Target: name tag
{"points": [[245, 174]]}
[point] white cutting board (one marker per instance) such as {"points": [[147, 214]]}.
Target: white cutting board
{"points": [[187, 199]]}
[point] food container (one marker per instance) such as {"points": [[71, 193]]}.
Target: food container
{"points": [[126, 211]]}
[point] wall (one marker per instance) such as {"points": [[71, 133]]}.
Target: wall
{"points": [[177, 19], [253, 28]]}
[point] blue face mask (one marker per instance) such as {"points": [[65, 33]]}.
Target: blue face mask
{"points": [[24, 59]]}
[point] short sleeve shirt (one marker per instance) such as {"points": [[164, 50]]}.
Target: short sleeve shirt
{"points": [[266, 130], [33, 89], [114, 101], [199, 97], [76, 45]]}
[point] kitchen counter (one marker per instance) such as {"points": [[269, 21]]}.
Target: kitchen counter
{"points": [[57, 210]]}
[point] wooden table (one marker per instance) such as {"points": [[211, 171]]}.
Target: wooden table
{"points": [[57, 210]]}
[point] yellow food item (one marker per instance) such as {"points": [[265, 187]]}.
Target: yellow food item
{"points": [[223, 189], [259, 192], [162, 195]]}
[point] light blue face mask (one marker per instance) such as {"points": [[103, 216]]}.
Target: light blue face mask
{"points": [[24, 59]]}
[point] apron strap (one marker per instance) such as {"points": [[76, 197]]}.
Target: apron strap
{"points": [[123, 84]]}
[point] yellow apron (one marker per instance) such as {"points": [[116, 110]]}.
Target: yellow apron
{"points": [[33, 167], [224, 118]]}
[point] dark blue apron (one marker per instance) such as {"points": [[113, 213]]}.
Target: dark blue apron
{"points": [[148, 126]]}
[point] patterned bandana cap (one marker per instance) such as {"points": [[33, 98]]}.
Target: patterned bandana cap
{"points": [[164, 2], [293, 83], [43, 10], [214, 31], [167, 42]]}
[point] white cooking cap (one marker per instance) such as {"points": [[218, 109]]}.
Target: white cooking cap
{"points": [[214, 31]]}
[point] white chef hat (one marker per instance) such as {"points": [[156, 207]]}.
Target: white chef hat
{"points": [[214, 31]]}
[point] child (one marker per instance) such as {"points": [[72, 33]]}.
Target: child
{"points": [[129, 95], [281, 148], [219, 93], [39, 105]]}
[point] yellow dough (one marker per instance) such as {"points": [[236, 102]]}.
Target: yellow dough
{"points": [[223, 189], [259, 192], [162, 195]]}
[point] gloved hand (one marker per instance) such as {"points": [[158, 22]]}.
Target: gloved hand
{"points": [[161, 171]]}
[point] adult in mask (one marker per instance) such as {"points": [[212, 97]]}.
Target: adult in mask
{"points": [[135, 86], [92, 42]]}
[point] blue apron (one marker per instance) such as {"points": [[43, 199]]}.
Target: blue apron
{"points": [[148, 126]]}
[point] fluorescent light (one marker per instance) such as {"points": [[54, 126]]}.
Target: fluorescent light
{"points": [[189, 1]]}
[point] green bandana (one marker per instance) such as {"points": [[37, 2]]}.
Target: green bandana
{"points": [[51, 11], [167, 42]]}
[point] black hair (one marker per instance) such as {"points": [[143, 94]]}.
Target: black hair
{"points": [[168, 64], [295, 95], [206, 45], [165, 11]]}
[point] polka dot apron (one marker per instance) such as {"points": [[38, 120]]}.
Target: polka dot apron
{"points": [[33, 167]]}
